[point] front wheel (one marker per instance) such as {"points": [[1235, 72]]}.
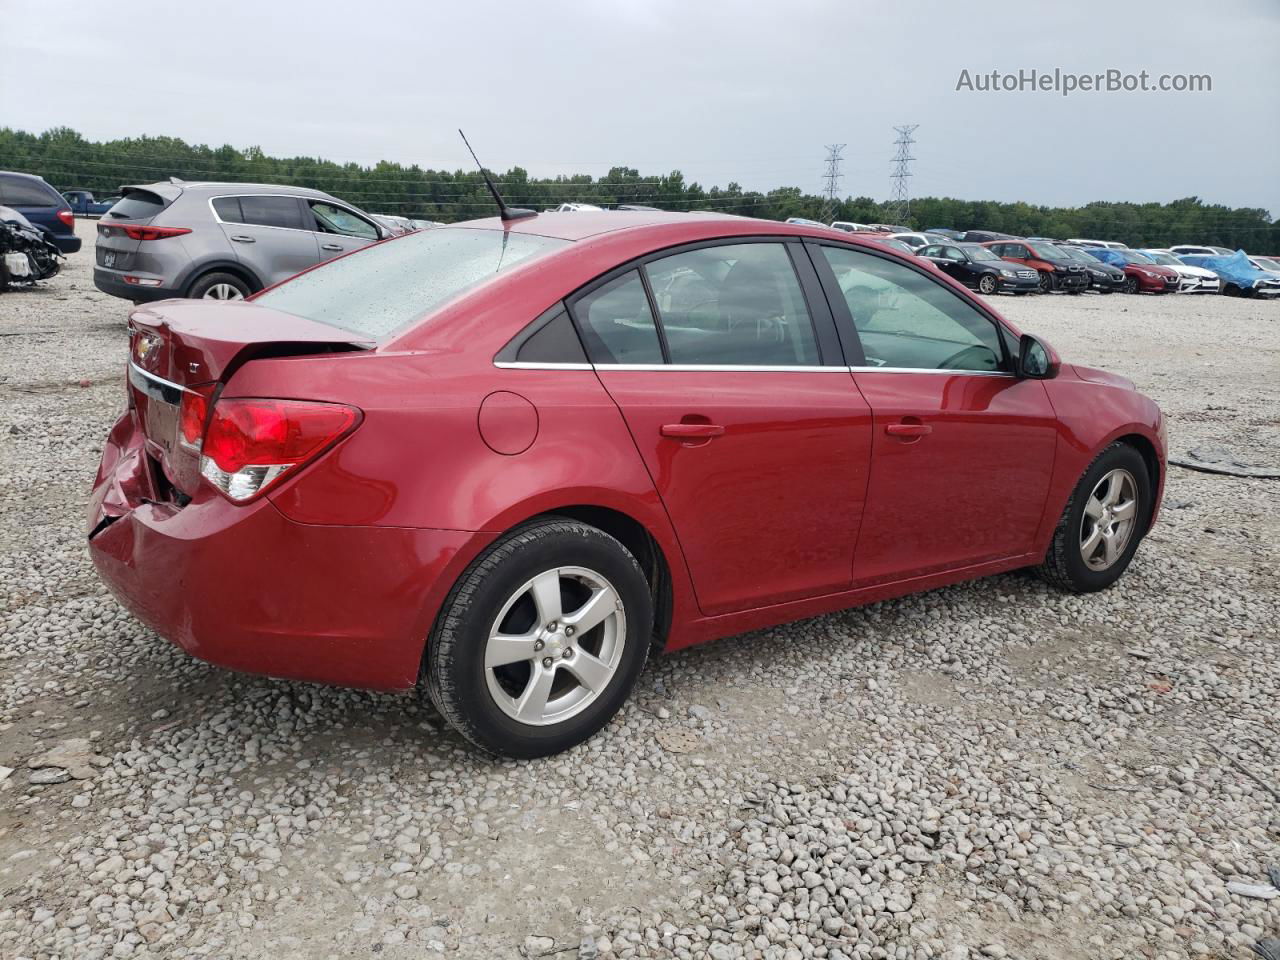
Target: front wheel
{"points": [[1130, 284], [1046, 282], [987, 284], [541, 640], [1103, 523]]}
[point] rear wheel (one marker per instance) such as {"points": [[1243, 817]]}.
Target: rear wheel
{"points": [[1103, 523], [219, 286], [541, 640], [987, 284]]}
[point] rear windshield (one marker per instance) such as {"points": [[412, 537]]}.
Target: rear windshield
{"points": [[383, 288], [137, 205]]}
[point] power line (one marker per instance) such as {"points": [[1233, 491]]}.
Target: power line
{"points": [[832, 177], [900, 203]]}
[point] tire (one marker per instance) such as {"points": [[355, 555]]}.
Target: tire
{"points": [[504, 593], [1231, 290], [988, 284], [1071, 563], [1046, 282], [1130, 284], [218, 286]]}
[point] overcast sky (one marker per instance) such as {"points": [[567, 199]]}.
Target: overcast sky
{"points": [[745, 91]]}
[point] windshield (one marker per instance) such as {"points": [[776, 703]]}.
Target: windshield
{"points": [[1075, 253], [1132, 256], [1268, 263], [1168, 259], [385, 287], [980, 253], [1047, 251]]}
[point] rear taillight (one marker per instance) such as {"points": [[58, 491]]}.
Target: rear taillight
{"points": [[67, 217], [251, 443], [193, 414], [140, 233]]}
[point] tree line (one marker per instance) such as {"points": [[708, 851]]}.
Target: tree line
{"points": [[69, 161]]}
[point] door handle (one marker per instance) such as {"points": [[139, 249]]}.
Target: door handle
{"points": [[244, 239], [908, 429], [692, 431], [330, 246]]}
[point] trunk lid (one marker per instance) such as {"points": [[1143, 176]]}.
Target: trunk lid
{"points": [[181, 352]]}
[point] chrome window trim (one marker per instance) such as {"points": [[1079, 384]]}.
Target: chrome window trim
{"points": [[734, 368], [290, 196]]}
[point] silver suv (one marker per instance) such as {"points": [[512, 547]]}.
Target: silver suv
{"points": [[222, 241]]}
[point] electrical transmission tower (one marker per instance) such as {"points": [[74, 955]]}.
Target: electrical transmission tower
{"points": [[831, 193], [900, 202]]}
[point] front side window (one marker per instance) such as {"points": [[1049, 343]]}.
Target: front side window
{"points": [[333, 219], [735, 304], [384, 288], [617, 324], [904, 319]]}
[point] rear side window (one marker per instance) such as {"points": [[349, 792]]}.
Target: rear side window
{"points": [[137, 205], [737, 304], [272, 212], [617, 324], [907, 320], [385, 287], [21, 192], [228, 209]]}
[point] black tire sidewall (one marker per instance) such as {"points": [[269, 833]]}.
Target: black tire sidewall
{"points": [[456, 659], [198, 288], [1082, 576]]}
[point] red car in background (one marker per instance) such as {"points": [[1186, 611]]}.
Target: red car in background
{"points": [[509, 458], [1141, 273], [1057, 270]]}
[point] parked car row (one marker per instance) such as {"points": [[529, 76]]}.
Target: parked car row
{"points": [[1078, 264]]}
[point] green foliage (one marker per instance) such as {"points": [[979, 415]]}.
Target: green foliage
{"points": [[67, 160]]}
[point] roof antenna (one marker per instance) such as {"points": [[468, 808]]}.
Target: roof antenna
{"points": [[507, 213]]}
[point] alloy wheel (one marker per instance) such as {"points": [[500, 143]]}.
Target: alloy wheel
{"points": [[1110, 517], [987, 284], [223, 291], [555, 645], [1046, 282]]}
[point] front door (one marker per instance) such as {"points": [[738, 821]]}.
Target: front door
{"points": [[963, 450], [754, 434], [339, 230]]}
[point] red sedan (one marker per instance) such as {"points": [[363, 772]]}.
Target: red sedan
{"points": [[509, 459]]}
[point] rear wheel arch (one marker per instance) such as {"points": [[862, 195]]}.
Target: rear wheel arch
{"points": [[235, 269]]}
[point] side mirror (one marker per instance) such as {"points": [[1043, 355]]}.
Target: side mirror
{"points": [[1036, 359]]}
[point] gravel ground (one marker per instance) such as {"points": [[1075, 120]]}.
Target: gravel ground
{"points": [[989, 770]]}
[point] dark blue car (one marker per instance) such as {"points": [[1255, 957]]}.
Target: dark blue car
{"points": [[43, 206]]}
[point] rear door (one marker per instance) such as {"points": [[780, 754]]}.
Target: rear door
{"points": [[339, 229], [268, 234], [742, 408], [963, 450]]}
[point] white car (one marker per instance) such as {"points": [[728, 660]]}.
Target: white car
{"points": [[1185, 249], [917, 240], [575, 208], [849, 227], [1190, 279], [1107, 244], [1266, 264]]}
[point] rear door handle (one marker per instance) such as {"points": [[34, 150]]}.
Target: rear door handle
{"points": [[330, 246], [908, 429], [692, 431], [243, 239]]}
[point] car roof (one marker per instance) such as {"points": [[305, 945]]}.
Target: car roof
{"points": [[215, 187], [585, 225], [24, 176]]}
